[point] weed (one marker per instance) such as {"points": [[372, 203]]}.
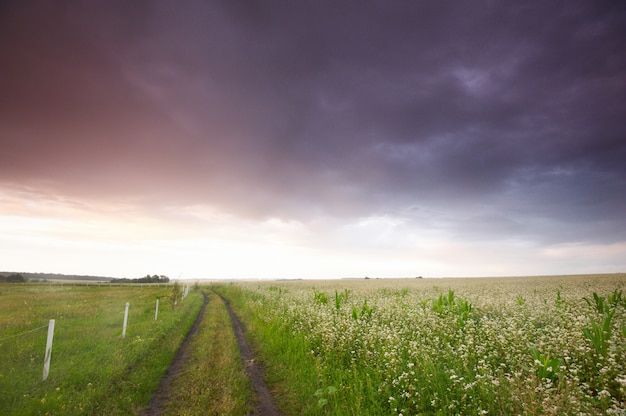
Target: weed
{"points": [[455, 305], [559, 300], [323, 395], [320, 297], [599, 303], [366, 311], [599, 332], [616, 299], [545, 366], [341, 297]]}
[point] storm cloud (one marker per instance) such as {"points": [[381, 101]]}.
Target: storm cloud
{"points": [[479, 122]]}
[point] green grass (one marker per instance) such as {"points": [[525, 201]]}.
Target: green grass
{"points": [[93, 369]]}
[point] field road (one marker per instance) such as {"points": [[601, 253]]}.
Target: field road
{"points": [[263, 404]]}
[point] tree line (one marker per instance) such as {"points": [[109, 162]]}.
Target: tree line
{"points": [[147, 279], [13, 278]]}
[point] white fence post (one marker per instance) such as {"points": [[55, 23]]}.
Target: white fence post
{"points": [[156, 311], [125, 320], [46, 363]]}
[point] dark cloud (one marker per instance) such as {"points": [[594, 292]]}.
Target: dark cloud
{"points": [[515, 111]]}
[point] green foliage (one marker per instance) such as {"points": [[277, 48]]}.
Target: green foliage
{"points": [[559, 300], [324, 395], [366, 311], [320, 297], [545, 366], [599, 303], [450, 304], [599, 332], [616, 299], [341, 297]]}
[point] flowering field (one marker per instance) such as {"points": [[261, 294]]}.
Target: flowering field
{"points": [[549, 345]]}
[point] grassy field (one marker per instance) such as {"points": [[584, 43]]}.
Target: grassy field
{"points": [[532, 346], [94, 371]]}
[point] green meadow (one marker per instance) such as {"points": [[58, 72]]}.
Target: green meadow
{"points": [[93, 369]]}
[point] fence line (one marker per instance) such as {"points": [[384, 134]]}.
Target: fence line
{"points": [[23, 333], [51, 326]]}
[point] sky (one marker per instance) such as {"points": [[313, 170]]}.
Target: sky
{"points": [[312, 139]]}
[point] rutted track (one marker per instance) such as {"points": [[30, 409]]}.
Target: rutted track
{"points": [[163, 392], [264, 404]]}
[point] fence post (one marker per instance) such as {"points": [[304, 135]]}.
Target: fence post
{"points": [[125, 320], [46, 363], [156, 312]]}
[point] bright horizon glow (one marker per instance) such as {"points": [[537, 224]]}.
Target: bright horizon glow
{"points": [[59, 237]]}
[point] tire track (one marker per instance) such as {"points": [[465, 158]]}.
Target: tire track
{"points": [[162, 394]]}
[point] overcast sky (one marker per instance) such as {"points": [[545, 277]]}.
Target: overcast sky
{"points": [[277, 138]]}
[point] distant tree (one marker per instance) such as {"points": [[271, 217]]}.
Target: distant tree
{"points": [[13, 278]]}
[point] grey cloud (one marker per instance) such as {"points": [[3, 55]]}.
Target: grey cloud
{"points": [[353, 108]]}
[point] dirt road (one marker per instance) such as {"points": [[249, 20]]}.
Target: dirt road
{"points": [[263, 404]]}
